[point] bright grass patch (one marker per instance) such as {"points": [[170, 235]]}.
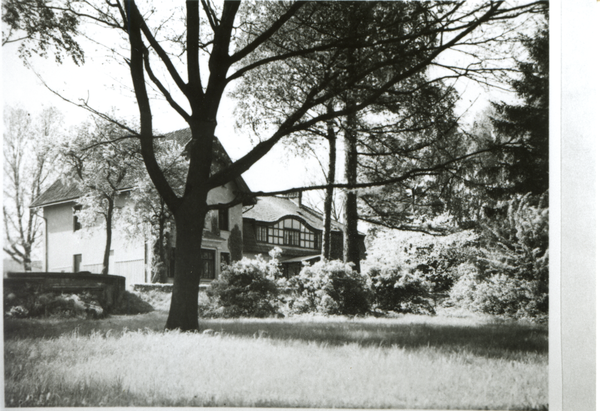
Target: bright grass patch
{"points": [[406, 362]]}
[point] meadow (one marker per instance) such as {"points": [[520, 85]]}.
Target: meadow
{"points": [[449, 361]]}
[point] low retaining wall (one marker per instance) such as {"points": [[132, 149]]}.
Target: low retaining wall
{"points": [[108, 288], [165, 288]]}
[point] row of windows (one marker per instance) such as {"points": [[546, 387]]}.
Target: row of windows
{"points": [[289, 232]]}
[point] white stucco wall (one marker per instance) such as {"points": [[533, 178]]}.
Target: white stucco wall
{"points": [[127, 259]]}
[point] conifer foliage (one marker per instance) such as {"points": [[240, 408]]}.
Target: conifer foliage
{"points": [[510, 271], [527, 123]]}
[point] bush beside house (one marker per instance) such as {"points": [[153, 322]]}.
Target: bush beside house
{"points": [[65, 294], [396, 289], [33, 301], [501, 270], [246, 288]]}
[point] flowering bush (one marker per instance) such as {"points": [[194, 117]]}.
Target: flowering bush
{"points": [[18, 311], [430, 258], [246, 288], [330, 287], [401, 291]]}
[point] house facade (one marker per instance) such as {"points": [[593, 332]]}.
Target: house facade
{"points": [[295, 228], [70, 248]]}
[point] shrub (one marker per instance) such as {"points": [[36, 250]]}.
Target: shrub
{"points": [[330, 287], [510, 273], [131, 304], [235, 243], [246, 288], [501, 295], [32, 301], [432, 258], [398, 290]]}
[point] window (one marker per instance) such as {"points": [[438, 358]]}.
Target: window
{"points": [[77, 263], [76, 223], [224, 219], [208, 265], [289, 232], [291, 237], [276, 234], [261, 234]]}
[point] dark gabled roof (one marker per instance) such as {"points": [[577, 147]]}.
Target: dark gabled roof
{"points": [[60, 192], [57, 193], [271, 209], [182, 136]]}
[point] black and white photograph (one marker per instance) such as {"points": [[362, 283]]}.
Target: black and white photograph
{"points": [[288, 204]]}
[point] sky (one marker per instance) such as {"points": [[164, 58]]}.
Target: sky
{"points": [[104, 85]]}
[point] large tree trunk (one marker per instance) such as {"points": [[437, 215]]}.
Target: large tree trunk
{"points": [[189, 224], [109, 216], [351, 238], [326, 248]]}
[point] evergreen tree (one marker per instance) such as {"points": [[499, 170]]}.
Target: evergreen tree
{"points": [[526, 161]]}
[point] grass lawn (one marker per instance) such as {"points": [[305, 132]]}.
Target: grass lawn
{"points": [[442, 362]]}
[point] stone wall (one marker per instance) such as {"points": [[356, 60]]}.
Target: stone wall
{"points": [[106, 289]]}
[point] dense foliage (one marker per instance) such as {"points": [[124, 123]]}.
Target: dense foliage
{"points": [[509, 275], [330, 287], [33, 301], [434, 258], [525, 162], [246, 288], [396, 289]]}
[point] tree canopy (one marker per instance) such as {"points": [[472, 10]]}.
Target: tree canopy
{"points": [[39, 27], [191, 55], [527, 123]]}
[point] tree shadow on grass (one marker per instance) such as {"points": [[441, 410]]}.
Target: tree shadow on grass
{"points": [[509, 340], [494, 340], [55, 327]]}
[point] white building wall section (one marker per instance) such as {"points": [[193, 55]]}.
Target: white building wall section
{"points": [[127, 257]]}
